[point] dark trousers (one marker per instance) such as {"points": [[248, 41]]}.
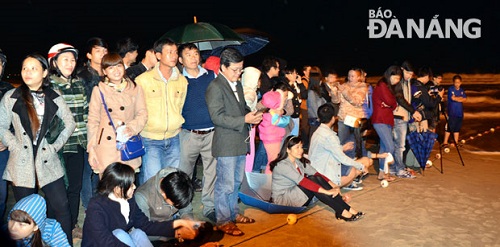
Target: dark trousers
{"points": [[336, 203], [74, 172], [57, 201], [304, 127]]}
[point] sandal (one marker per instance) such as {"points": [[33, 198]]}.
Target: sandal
{"points": [[231, 229], [387, 177], [243, 219]]}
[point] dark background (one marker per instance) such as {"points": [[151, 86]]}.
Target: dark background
{"points": [[327, 33]]}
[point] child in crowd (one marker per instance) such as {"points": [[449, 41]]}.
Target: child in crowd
{"points": [[29, 226]]}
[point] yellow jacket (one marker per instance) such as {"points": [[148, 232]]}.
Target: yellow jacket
{"points": [[164, 102]]}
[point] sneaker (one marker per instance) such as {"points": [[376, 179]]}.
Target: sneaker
{"points": [[445, 145], [358, 180], [352, 186], [404, 174]]}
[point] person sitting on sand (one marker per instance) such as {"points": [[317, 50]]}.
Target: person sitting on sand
{"points": [[295, 182], [328, 157]]}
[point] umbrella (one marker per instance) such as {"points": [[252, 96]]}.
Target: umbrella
{"points": [[252, 44], [256, 191], [206, 36], [421, 144]]}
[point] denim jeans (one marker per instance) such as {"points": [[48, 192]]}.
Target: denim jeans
{"points": [[260, 159], [295, 130], [89, 182], [4, 157], [346, 134], [230, 172], [384, 132], [136, 238], [399, 134], [159, 154]]}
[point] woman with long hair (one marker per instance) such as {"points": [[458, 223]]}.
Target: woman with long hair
{"points": [[384, 103], [295, 182], [29, 226], [113, 213], [127, 108], [35, 112]]}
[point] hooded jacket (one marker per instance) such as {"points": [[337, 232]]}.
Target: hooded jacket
{"points": [[52, 234]]}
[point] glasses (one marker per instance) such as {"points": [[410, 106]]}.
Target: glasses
{"points": [[236, 70]]}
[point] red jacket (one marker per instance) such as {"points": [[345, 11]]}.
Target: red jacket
{"points": [[384, 103]]}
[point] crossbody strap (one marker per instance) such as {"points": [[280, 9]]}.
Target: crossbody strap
{"points": [[106, 109]]}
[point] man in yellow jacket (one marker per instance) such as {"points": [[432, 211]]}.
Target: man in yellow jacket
{"points": [[165, 92]]}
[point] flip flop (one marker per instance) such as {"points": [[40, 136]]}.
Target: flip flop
{"points": [[230, 228], [243, 219]]}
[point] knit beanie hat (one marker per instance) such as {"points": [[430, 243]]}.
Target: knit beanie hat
{"points": [[34, 205], [271, 100]]}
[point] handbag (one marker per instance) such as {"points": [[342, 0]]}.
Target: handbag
{"points": [[134, 147]]}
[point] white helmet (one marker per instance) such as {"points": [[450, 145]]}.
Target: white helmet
{"points": [[61, 48]]}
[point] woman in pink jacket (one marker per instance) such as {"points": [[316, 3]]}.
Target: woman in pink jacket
{"points": [[126, 106]]}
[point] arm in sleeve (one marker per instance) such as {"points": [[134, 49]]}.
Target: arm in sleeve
{"points": [[165, 228], [94, 118], [215, 101], [96, 227], [69, 123], [141, 112], [6, 136], [338, 154]]}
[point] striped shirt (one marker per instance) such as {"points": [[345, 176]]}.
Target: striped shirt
{"points": [[75, 96]]}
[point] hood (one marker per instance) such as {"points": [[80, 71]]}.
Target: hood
{"points": [[271, 100], [35, 206], [250, 78]]}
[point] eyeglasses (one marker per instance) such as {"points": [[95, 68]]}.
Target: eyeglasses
{"points": [[236, 70]]}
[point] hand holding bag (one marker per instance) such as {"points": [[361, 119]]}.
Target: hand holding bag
{"points": [[134, 147]]}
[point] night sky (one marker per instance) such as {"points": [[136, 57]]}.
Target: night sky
{"points": [[330, 34]]}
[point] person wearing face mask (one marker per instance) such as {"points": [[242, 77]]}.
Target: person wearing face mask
{"points": [[33, 109], [62, 59]]}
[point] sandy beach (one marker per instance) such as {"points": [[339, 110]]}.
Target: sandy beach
{"points": [[459, 207]]}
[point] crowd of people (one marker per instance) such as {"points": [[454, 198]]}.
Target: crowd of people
{"points": [[62, 130]]}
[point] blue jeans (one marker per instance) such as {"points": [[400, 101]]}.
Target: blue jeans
{"points": [[4, 157], [136, 237], [384, 132], [230, 172], [346, 134], [260, 160], [159, 154], [89, 182], [399, 135], [295, 130]]}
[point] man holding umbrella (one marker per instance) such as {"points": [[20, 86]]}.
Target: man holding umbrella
{"points": [[231, 118]]}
